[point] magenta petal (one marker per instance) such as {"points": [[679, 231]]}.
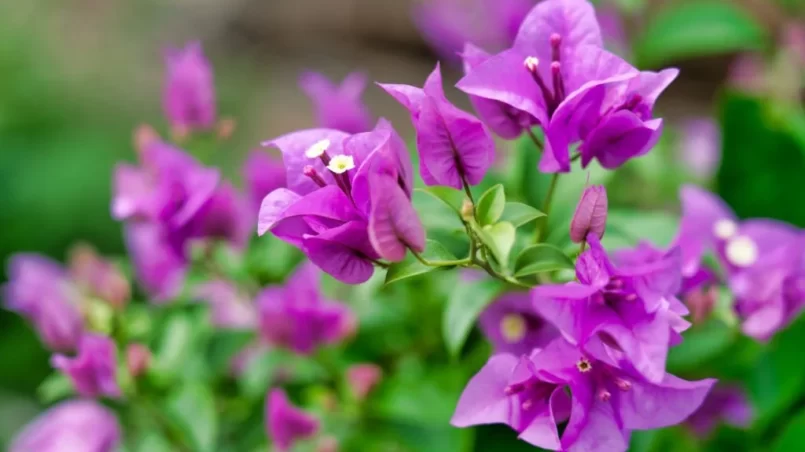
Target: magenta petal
{"points": [[701, 210], [159, 269], [273, 208], [262, 174], [189, 94], [328, 202], [648, 406], [93, 370], [394, 225], [344, 252], [484, 400], [200, 185], [286, 423], [618, 138], [81, 425], [337, 107], [644, 344], [409, 96], [503, 78], [593, 425], [131, 186], [542, 431], [651, 84], [573, 20]]}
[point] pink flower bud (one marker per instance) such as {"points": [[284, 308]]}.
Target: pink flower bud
{"points": [[591, 214], [701, 302], [98, 276], [363, 378], [327, 444], [138, 359]]}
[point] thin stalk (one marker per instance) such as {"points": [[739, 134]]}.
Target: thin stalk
{"points": [[546, 208]]}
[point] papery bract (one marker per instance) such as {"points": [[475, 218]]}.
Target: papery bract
{"points": [[604, 404], [76, 425], [338, 107], [189, 97], [345, 218], [93, 370], [285, 423], [700, 146], [724, 403], [453, 145], [40, 290], [632, 309], [262, 174], [513, 326], [160, 268], [591, 214], [298, 317]]}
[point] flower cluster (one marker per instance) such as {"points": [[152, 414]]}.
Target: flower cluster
{"points": [[580, 338]]}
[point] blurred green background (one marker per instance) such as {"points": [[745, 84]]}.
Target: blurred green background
{"points": [[76, 77]]}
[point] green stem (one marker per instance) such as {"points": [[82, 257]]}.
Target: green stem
{"points": [[546, 208], [496, 275], [536, 140], [452, 263]]}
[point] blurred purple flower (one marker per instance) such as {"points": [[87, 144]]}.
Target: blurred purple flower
{"points": [[632, 309], [591, 214], [724, 403], [93, 371], [76, 425], [605, 403], [362, 378], [614, 33], [167, 202], [453, 145], [230, 308], [98, 276], [286, 423], [348, 200], [138, 359], [447, 25], [298, 317], [700, 146], [558, 72], [338, 107], [189, 96], [40, 290], [262, 174], [513, 326]]}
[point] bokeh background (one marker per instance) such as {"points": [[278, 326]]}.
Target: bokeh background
{"points": [[76, 77]]}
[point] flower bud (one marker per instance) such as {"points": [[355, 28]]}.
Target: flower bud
{"points": [[138, 359], [467, 210], [98, 276], [362, 378], [327, 444], [591, 214], [701, 302]]}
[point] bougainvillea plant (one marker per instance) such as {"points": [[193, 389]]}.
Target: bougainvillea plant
{"points": [[316, 333]]}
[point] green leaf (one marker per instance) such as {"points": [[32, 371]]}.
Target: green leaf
{"points": [[410, 266], [175, 347], [463, 308], [55, 387], [541, 258], [452, 198], [791, 436], [490, 206], [519, 214], [702, 343], [696, 28], [499, 238], [656, 227], [192, 410]]}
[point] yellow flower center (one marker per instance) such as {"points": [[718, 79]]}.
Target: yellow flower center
{"points": [[584, 365], [341, 164], [513, 328]]}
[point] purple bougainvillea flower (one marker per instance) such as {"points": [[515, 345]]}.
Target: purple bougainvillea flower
{"points": [[709, 225], [632, 309], [512, 325], [226, 216], [591, 214], [613, 30], [189, 97], [771, 294], [338, 107], [286, 423], [230, 308], [40, 290], [700, 146], [76, 425], [506, 121], [362, 378], [348, 201], [93, 371], [298, 317], [724, 403], [159, 267], [262, 174], [453, 145], [606, 401], [558, 72]]}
